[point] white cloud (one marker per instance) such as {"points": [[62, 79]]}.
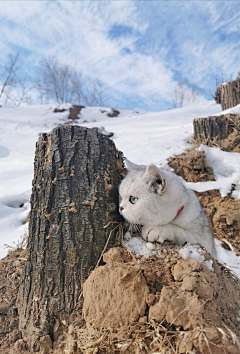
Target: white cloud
{"points": [[167, 38], [77, 32]]}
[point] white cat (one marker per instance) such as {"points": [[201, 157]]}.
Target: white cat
{"points": [[160, 202]]}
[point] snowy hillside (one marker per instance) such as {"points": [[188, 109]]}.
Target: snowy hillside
{"points": [[144, 137]]}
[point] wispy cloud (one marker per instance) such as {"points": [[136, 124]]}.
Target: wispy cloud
{"points": [[137, 48]]}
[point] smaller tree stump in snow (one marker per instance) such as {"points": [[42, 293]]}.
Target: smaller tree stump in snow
{"points": [[215, 131], [228, 94]]}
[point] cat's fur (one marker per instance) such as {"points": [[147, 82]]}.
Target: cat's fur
{"points": [[165, 208]]}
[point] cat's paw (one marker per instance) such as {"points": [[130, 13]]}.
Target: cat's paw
{"points": [[154, 235], [145, 231]]}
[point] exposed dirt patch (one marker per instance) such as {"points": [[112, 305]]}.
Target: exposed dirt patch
{"points": [[192, 166], [74, 112], [223, 213], [113, 114], [59, 110], [224, 216]]}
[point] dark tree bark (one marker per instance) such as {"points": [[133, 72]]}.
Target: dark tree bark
{"points": [[228, 94], [212, 129], [74, 207]]}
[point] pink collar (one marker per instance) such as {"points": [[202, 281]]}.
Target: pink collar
{"points": [[180, 210]]}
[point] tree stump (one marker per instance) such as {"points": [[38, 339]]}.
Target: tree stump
{"points": [[74, 212], [228, 94], [222, 131]]}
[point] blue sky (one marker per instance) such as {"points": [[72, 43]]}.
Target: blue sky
{"points": [[138, 49]]}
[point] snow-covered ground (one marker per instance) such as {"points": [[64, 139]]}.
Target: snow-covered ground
{"points": [[144, 137]]}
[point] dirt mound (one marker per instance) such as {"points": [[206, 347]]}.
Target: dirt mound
{"points": [[191, 166], [138, 305], [171, 295], [224, 217], [223, 213], [123, 298]]}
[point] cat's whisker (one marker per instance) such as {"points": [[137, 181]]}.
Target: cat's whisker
{"points": [[135, 225], [138, 227], [131, 228]]}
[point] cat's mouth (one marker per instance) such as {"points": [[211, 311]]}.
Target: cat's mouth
{"points": [[129, 218]]}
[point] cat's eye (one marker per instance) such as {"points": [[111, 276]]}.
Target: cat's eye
{"points": [[133, 200]]}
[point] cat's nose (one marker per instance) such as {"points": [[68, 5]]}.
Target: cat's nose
{"points": [[120, 208]]}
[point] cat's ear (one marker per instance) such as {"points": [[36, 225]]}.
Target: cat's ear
{"points": [[155, 179], [132, 166]]}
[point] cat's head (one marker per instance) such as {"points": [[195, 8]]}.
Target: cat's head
{"points": [[140, 195]]}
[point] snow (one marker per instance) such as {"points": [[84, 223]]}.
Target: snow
{"points": [[228, 258], [19, 131], [139, 247], [147, 137], [144, 138], [195, 252], [226, 171], [235, 110]]}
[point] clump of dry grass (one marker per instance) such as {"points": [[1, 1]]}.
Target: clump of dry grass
{"points": [[20, 244], [149, 337], [17, 256]]}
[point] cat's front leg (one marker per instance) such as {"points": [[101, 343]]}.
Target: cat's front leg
{"points": [[158, 233]]}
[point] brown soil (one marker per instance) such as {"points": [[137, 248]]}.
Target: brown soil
{"points": [[175, 294], [223, 213], [224, 217], [141, 305], [74, 112], [191, 166], [113, 114]]}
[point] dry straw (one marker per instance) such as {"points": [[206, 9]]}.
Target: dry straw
{"points": [[149, 337]]}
